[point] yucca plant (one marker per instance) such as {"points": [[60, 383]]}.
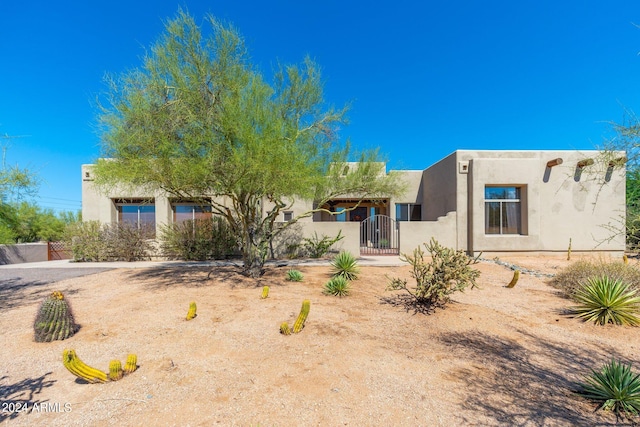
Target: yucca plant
{"points": [[604, 300], [615, 387], [345, 265], [294, 276], [338, 286]]}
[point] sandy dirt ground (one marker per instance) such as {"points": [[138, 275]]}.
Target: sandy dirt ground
{"points": [[493, 357]]}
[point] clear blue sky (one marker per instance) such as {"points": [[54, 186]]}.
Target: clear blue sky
{"points": [[424, 77]]}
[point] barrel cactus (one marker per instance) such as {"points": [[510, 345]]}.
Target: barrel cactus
{"points": [[77, 367], [54, 320], [191, 314], [131, 364], [302, 317], [115, 370]]}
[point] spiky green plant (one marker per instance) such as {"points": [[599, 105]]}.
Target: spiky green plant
{"points": [[302, 317], [115, 370], [294, 276], [284, 328], [191, 314], [345, 265], [615, 387], [604, 300], [514, 280], [54, 320], [131, 364], [265, 292], [338, 286]]}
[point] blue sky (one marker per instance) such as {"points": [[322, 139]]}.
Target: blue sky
{"points": [[424, 78]]}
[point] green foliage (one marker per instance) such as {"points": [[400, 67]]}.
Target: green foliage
{"points": [[54, 320], [615, 387], [198, 240], [197, 118], [294, 276], [345, 265], [604, 300], [25, 222], [338, 286], [91, 241], [571, 278], [448, 271], [318, 247]]}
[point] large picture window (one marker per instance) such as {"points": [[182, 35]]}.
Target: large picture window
{"points": [[408, 212], [502, 206], [138, 212], [190, 211]]}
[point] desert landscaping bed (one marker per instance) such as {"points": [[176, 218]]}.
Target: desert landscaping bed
{"points": [[492, 357]]}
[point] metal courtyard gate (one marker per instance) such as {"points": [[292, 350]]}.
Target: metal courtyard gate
{"points": [[379, 235]]}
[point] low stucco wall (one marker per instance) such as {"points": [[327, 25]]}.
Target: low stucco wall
{"points": [[414, 234], [295, 233], [23, 252]]}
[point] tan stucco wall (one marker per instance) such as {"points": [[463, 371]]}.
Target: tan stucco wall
{"points": [[559, 205], [415, 233]]}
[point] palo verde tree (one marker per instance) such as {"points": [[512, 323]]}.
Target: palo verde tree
{"points": [[197, 119]]}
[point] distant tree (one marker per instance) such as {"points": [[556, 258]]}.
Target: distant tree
{"points": [[627, 139], [27, 222], [197, 119]]}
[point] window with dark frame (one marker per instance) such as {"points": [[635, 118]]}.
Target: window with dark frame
{"points": [[408, 212], [138, 212], [503, 210]]}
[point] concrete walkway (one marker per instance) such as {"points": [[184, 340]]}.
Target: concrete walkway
{"points": [[379, 261]]}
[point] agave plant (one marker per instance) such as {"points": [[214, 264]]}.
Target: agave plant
{"points": [[338, 286], [345, 265], [615, 387], [294, 276], [604, 300]]}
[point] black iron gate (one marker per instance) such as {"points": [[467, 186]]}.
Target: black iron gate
{"points": [[379, 235]]}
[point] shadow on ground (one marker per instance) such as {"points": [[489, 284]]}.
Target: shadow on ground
{"points": [[166, 277], [20, 395], [506, 383]]}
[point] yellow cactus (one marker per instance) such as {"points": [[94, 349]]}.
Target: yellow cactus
{"points": [[131, 364], [284, 329], [302, 317], [265, 292], [625, 259], [192, 311], [115, 370], [80, 369], [516, 276]]}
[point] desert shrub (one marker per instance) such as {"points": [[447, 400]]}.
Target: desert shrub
{"points": [[338, 286], [604, 300], [317, 247], [86, 241], [128, 242], [615, 387], [91, 241], [448, 271], [570, 279], [345, 265], [198, 240], [294, 276]]}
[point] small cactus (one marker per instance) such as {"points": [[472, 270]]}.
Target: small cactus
{"points": [[569, 250], [77, 367], [625, 259], [131, 364], [265, 292], [302, 317], [192, 311], [284, 329], [516, 276], [54, 320], [115, 370]]}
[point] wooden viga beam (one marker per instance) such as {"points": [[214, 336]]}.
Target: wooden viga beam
{"points": [[554, 162], [585, 163], [617, 162]]}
